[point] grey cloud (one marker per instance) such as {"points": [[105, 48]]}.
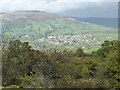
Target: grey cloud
{"points": [[104, 10], [68, 8]]}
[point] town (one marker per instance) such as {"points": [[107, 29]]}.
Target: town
{"points": [[70, 40]]}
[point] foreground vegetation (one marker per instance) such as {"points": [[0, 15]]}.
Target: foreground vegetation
{"points": [[24, 67]]}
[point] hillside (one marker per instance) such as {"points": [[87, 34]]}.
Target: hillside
{"points": [[104, 21], [45, 30]]}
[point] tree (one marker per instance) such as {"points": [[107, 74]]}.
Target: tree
{"points": [[16, 62], [108, 58], [79, 52]]}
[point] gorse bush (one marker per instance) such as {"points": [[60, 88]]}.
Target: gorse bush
{"points": [[26, 68]]}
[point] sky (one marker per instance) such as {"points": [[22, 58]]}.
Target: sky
{"points": [[71, 8]]}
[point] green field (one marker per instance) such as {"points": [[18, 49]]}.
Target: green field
{"points": [[26, 27]]}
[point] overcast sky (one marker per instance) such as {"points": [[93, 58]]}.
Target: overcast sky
{"points": [[72, 8]]}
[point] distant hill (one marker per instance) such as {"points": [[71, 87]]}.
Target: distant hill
{"points": [[107, 22], [45, 30]]}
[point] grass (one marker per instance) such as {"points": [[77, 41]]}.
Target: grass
{"points": [[36, 30]]}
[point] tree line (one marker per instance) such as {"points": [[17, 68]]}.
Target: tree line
{"points": [[24, 67]]}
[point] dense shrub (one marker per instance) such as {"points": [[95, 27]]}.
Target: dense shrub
{"points": [[54, 68]]}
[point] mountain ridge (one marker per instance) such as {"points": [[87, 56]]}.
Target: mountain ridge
{"points": [[103, 21]]}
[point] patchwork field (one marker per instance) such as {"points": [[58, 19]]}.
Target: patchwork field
{"points": [[44, 30]]}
